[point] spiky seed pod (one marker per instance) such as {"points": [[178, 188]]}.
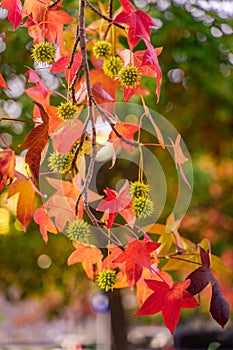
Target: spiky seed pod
{"points": [[139, 189], [142, 207], [129, 77], [78, 231], [59, 162], [102, 49], [43, 52], [66, 110], [112, 66], [106, 279]]}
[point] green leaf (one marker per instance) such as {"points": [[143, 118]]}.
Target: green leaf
{"points": [[213, 346]]}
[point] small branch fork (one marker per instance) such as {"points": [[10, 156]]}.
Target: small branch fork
{"points": [[108, 19]]}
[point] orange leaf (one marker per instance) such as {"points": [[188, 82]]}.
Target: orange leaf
{"points": [[127, 131], [7, 167], [67, 135], [108, 87], [36, 142], [36, 8], [62, 209], [2, 82], [43, 21], [25, 204], [89, 256], [54, 121], [180, 158], [42, 218]]}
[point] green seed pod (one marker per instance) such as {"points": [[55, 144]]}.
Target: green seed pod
{"points": [[78, 231], [43, 52], [66, 110], [60, 163], [129, 77], [106, 279], [142, 207], [112, 66], [102, 49], [139, 189]]}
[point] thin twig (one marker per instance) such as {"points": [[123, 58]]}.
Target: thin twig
{"points": [[94, 9], [90, 118], [77, 39], [158, 274], [128, 229], [19, 120], [112, 125], [53, 4], [4, 141], [110, 8], [72, 85]]}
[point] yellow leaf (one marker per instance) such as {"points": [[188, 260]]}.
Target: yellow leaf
{"points": [[25, 204], [157, 229]]}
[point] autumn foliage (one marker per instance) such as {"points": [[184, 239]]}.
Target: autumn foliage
{"points": [[63, 147]]}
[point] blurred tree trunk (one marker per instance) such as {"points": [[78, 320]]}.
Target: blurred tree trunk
{"points": [[119, 322]]}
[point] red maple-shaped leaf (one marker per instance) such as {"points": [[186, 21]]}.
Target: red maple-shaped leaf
{"points": [[7, 167], [36, 142], [169, 300], [117, 203], [127, 131], [136, 256], [200, 278], [39, 93], [62, 66], [14, 11], [139, 23]]}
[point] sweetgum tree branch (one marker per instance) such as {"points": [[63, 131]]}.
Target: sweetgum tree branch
{"points": [[77, 39], [110, 8], [74, 81], [90, 117], [81, 40]]}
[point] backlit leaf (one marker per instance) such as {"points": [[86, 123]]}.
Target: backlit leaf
{"points": [[127, 131], [25, 204], [136, 256], [89, 256], [7, 167], [42, 218], [139, 23], [169, 300], [36, 142], [2, 82], [117, 203], [14, 11]]}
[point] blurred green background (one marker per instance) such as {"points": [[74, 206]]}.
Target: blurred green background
{"points": [[196, 97]]}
